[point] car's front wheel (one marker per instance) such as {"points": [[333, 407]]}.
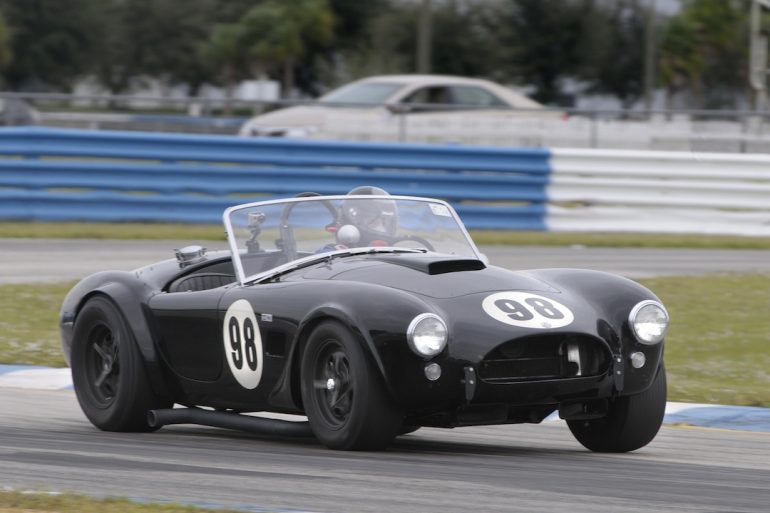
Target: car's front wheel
{"points": [[108, 372], [343, 394], [631, 422]]}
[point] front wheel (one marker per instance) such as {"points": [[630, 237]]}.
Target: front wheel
{"points": [[631, 421], [108, 372], [343, 394]]}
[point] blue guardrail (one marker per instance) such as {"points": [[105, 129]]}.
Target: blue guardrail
{"points": [[81, 175]]}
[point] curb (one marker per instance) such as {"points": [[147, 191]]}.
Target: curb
{"points": [[741, 418], [34, 377]]}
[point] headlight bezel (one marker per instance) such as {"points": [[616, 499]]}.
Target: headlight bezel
{"points": [[413, 327], [634, 313]]}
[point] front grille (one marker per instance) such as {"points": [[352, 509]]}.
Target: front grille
{"points": [[551, 356], [520, 368]]}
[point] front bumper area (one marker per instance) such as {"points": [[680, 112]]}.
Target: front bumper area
{"points": [[526, 379], [522, 402]]}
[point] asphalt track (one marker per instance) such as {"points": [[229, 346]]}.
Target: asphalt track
{"points": [[46, 443], [51, 260]]}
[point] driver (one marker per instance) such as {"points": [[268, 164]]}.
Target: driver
{"points": [[364, 222]]}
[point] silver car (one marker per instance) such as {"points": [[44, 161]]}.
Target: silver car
{"points": [[382, 107]]}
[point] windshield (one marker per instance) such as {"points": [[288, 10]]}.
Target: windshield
{"points": [[364, 93], [271, 236]]}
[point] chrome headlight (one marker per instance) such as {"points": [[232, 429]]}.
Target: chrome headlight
{"points": [[649, 322], [427, 335]]}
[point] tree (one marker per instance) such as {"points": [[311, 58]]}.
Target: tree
{"points": [[612, 48], [53, 43], [461, 45], [353, 19], [705, 51], [278, 32], [158, 38], [353, 53], [224, 53], [539, 42], [385, 46], [681, 63], [6, 54]]}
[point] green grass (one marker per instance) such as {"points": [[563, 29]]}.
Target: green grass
{"points": [[122, 231], [161, 231], [12, 501], [718, 346], [618, 240], [29, 323], [717, 350]]}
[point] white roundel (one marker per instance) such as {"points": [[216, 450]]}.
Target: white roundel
{"points": [[527, 310], [243, 343]]}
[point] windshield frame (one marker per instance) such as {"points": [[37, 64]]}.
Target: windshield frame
{"points": [[235, 251]]}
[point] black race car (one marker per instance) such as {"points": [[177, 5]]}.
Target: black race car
{"points": [[373, 315]]}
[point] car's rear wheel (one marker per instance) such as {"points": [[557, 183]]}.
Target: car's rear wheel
{"points": [[343, 394], [108, 372], [631, 422]]}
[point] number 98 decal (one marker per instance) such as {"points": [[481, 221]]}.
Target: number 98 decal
{"points": [[243, 344], [527, 310]]}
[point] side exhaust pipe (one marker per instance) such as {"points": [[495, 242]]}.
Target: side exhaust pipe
{"points": [[221, 419]]}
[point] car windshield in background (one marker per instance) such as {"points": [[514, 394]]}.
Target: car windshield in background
{"points": [[268, 235], [368, 94]]}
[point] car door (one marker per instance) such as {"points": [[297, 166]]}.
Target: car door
{"points": [[453, 112], [189, 332], [257, 323], [226, 344]]}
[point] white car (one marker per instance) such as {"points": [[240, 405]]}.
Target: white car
{"points": [[390, 106]]}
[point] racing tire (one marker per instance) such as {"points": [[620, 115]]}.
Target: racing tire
{"points": [[405, 430], [344, 397], [108, 372], [631, 421]]}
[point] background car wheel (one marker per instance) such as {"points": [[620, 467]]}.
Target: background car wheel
{"points": [[344, 397], [631, 422], [108, 372]]}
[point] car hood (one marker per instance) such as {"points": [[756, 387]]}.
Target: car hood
{"points": [[429, 275], [302, 116]]}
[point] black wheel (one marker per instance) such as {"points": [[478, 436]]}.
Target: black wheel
{"points": [[344, 397], [108, 372], [631, 422]]}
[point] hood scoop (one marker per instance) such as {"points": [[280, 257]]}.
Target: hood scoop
{"points": [[432, 264]]}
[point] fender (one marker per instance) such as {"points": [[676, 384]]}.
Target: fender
{"points": [[134, 311], [614, 296], [287, 391]]}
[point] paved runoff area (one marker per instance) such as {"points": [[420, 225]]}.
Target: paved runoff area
{"points": [[744, 418]]}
